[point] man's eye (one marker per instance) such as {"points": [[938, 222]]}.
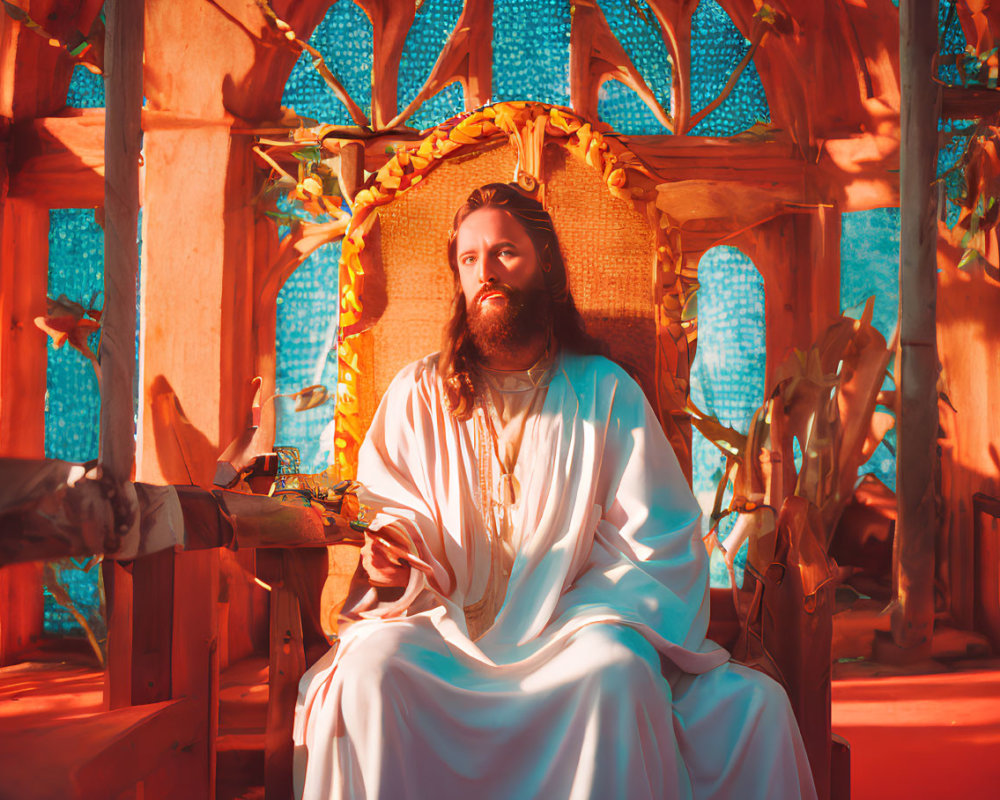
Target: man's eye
{"points": [[467, 261], [508, 252]]}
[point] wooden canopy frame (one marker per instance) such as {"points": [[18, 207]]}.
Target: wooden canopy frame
{"points": [[830, 71]]}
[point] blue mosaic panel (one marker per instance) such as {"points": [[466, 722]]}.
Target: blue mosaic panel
{"points": [[433, 23], [727, 376], [717, 47], [72, 405], [952, 42], [956, 134], [344, 38], [306, 355], [618, 105], [869, 266], [76, 269], [531, 50], [86, 90], [444, 105]]}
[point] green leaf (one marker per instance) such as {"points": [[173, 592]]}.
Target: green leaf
{"points": [[310, 154], [968, 259], [690, 309]]}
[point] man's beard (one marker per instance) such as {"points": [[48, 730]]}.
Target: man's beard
{"points": [[507, 330]]}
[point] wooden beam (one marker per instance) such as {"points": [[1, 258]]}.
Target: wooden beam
{"points": [[24, 263], [799, 303], [391, 22], [23, 279], [959, 102], [49, 509], [140, 600], [34, 75], [917, 411], [122, 141], [58, 162], [201, 349]]}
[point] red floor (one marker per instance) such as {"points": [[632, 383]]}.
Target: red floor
{"points": [[922, 736], [912, 736]]}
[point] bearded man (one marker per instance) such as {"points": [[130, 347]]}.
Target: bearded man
{"points": [[533, 619]]}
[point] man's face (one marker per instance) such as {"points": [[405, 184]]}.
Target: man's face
{"points": [[506, 298], [492, 248]]}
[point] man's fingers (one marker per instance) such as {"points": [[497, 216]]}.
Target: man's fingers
{"points": [[379, 562]]}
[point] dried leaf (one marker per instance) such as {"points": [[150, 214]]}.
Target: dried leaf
{"points": [[310, 397], [69, 321]]}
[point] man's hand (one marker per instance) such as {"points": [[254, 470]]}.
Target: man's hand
{"points": [[383, 559]]}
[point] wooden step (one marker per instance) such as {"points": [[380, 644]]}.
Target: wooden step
{"points": [[96, 755], [243, 698]]}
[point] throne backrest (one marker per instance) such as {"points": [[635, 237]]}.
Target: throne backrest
{"points": [[399, 248]]}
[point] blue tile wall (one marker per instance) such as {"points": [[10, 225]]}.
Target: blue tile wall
{"points": [[72, 404], [869, 267], [306, 353], [727, 376]]}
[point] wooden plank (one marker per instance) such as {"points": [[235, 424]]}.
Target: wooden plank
{"points": [[959, 102], [968, 328], [243, 698], [140, 630], [22, 610], [97, 756], [986, 511], [287, 665], [34, 76], [194, 664], [799, 303], [123, 49], [139, 664], [33, 691], [24, 263], [118, 594], [153, 602], [199, 347], [917, 410], [23, 283], [58, 162]]}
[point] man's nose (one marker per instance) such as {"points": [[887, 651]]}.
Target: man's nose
{"points": [[488, 268]]}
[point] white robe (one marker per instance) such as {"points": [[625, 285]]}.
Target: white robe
{"points": [[596, 680]]}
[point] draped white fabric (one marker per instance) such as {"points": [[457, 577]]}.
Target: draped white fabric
{"points": [[596, 679]]}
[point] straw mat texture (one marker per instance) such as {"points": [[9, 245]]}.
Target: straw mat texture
{"points": [[607, 245]]}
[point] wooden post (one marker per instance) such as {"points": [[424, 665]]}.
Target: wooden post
{"points": [[122, 142], [23, 274], [917, 412], [34, 77], [286, 665], [140, 597], [798, 303]]}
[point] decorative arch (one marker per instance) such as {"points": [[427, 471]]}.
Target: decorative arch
{"points": [[532, 133]]}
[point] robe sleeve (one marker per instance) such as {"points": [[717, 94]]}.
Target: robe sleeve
{"points": [[647, 567], [394, 472]]}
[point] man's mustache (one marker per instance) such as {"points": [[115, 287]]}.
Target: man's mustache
{"points": [[494, 288]]}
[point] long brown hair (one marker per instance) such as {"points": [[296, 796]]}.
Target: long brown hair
{"points": [[458, 354]]}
